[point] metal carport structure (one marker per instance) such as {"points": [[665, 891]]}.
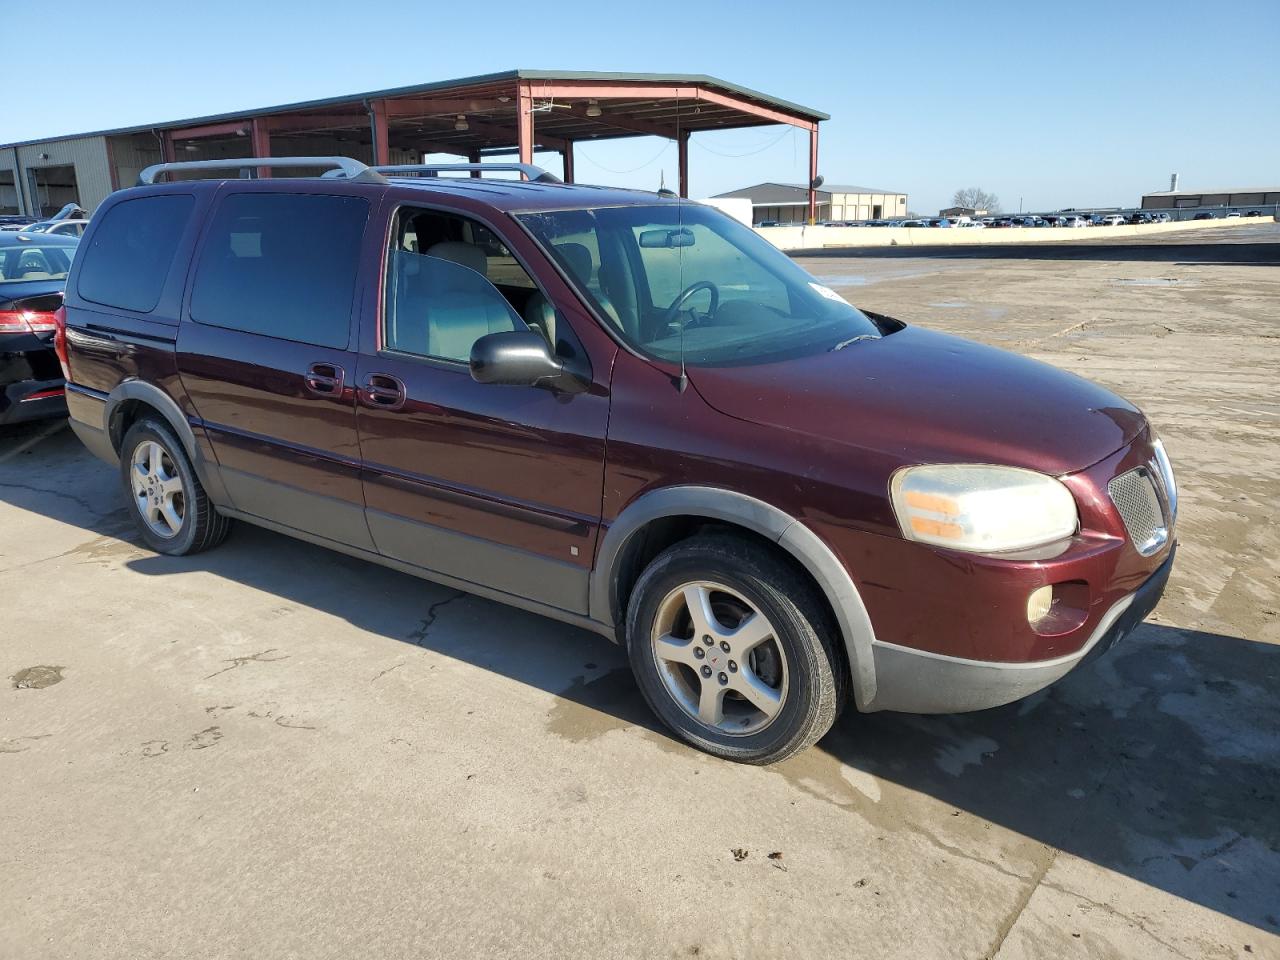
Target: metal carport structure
{"points": [[514, 111]]}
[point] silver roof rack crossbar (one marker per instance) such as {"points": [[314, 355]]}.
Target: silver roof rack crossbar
{"points": [[344, 167], [534, 173]]}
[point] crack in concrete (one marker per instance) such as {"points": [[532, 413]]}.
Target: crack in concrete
{"points": [[32, 488], [1006, 927], [418, 636], [1112, 911], [388, 670], [955, 851], [11, 744], [252, 658]]}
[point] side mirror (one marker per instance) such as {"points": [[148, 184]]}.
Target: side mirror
{"points": [[521, 358]]}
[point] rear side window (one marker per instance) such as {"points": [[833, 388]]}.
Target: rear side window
{"points": [[283, 265], [128, 260]]}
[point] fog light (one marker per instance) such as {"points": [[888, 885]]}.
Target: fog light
{"points": [[1038, 604]]}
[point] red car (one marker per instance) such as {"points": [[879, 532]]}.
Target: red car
{"points": [[624, 411]]}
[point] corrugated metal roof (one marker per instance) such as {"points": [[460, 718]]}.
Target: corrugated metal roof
{"points": [[508, 76]]}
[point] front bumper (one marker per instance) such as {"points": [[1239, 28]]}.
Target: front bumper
{"points": [[918, 681]]}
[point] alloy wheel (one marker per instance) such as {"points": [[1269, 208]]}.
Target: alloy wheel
{"points": [[157, 489], [719, 658]]}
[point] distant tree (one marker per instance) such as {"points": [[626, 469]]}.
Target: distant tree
{"points": [[977, 199]]}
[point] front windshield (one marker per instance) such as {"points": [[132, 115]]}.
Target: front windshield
{"points": [[686, 277]]}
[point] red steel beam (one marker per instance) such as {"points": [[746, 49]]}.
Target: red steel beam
{"points": [[261, 143], [381, 146], [524, 115], [425, 108], [303, 122], [813, 175], [566, 155], [682, 147], [210, 130], [755, 109], [619, 89]]}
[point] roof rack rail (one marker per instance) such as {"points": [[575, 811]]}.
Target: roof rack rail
{"points": [[344, 167], [534, 173]]}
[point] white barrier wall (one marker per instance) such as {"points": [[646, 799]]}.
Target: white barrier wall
{"points": [[817, 238]]}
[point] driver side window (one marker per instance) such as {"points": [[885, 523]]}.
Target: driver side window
{"points": [[449, 282]]}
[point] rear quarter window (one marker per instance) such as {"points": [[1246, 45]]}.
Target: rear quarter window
{"points": [[128, 259], [282, 265]]}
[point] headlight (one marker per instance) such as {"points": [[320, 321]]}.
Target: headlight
{"points": [[1166, 474], [982, 509]]}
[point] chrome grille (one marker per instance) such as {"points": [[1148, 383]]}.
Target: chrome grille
{"points": [[1134, 494]]}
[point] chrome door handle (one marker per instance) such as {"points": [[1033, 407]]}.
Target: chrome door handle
{"points": [[384, 391], [325, 379]]}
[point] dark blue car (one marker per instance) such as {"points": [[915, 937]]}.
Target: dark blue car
{"points": [[33, 272]]}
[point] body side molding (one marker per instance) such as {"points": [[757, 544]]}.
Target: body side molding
{"points": [[761, 518]]}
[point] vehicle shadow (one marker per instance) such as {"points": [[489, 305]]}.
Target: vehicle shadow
{"points": [[1160, 761]]}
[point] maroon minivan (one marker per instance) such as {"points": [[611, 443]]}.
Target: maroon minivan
{"points": [[621, 410]]}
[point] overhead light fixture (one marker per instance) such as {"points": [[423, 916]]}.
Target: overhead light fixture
{"points": [[190, 147], [504, 99], [461, 122], [593, 108]]}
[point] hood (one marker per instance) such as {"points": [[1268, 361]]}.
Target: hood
{"points": [[922, 396]]}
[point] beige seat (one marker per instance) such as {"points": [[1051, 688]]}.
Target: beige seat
{"points": [[461, 305]]}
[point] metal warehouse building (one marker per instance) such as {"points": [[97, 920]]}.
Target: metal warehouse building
{"points": [[789, 202], [1243, 197], [518, 111]]}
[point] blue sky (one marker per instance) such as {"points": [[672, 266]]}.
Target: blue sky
{"points": [[1059, 104]]}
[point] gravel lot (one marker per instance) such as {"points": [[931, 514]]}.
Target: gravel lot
{"points": [[275, 751]]}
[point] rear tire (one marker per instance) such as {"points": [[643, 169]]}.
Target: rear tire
{"points": [[173, 513], [734, 649]]}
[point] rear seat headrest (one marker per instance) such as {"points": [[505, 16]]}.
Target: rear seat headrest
{"points": [[464, 254]]}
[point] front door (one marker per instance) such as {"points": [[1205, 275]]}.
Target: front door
{"points": [[266, 355], [495, 485]]}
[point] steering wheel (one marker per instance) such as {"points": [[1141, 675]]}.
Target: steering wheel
{"points": [[669, 316]]}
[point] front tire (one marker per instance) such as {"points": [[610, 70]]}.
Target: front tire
{"points": [[173, 513], [733, 649]]}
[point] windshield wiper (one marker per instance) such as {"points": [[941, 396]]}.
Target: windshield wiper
{"points": [[862, 336]]}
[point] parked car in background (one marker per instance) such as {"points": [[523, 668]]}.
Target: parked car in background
{"points": [[11, 221], [1111, 220], [1205, 216], [1072, 220], [941, 222], [973, 225], [60, 228], [768, 223], [1161, 218], [1233, 215], [33, 271], [426, 372], [1253, 213], [912, 223], [1138, 217]]}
